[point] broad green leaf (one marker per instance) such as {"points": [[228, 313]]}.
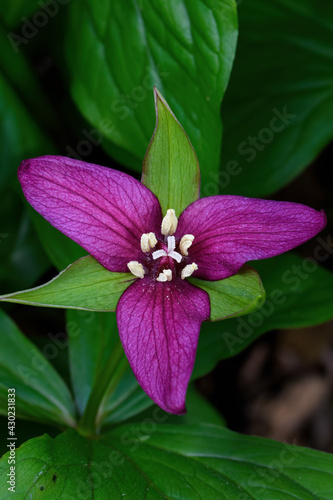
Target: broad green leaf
{"points": [[183, 47], [299, 293], [170, 168], [278, 108], [235, 296], [85, 284], [155, 462], [41, 394]]}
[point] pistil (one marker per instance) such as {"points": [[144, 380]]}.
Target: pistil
{"points": [[170, 252]]}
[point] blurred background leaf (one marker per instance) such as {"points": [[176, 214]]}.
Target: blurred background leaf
{"points": [[41, 394], [23, 260], [283, 66]]}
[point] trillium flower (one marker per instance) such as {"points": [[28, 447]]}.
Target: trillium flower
{"points": [[162, 254], [119, 221]]}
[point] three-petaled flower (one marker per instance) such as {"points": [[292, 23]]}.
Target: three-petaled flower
{"points": [[119, 222]]}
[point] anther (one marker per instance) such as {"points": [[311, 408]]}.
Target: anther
{"points": [[148, 241], [136, 268], [165, 276], [169, 223], [188, 270], [185, 243]]}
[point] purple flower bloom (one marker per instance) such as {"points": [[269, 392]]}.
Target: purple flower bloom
{"points": [[119, 222]]}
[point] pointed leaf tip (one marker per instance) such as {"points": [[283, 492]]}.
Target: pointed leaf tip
{"points": [[170, 167]]}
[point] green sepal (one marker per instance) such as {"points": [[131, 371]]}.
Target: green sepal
{"points": [[235, 296], [85, 284], [170, 167]]}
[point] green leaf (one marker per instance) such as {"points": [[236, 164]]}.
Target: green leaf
{"points": [[183, 47], [299, 293], [41, 395], [279, 105], [168, 461], [170, 168], [235, 296], [85, 284]]}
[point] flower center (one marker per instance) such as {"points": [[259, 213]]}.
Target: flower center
{"points": [[164, 257]]}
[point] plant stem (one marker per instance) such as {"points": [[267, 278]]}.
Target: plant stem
{"points": [[87, 425]]}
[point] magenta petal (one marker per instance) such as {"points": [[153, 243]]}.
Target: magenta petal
{"points": [[231, 230], [103, 210], [159, 327]]}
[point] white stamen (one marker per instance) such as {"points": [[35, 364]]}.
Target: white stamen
{"points": [[169, 223], [136, 268], [188, 270], [165, 276], [185, 243], [159, 253], [148, 241]]}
